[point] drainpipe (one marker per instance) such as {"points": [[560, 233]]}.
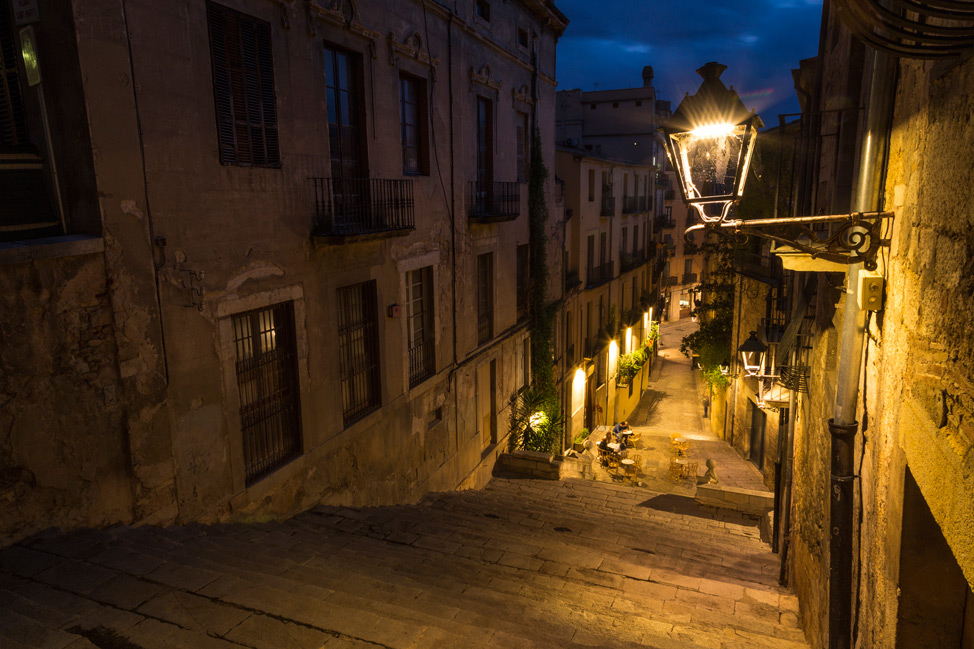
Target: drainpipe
{"points": [[786, 470], [843, 424]]}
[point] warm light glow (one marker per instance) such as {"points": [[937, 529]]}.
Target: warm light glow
{"points": [[537, 419], [646, 320], [613, 357], [628, 340], [713, 130], [578, 390], [650, 314]]}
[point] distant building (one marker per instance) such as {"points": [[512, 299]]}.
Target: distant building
{"points": [[621, 125], [609, 285], [261, 255]]}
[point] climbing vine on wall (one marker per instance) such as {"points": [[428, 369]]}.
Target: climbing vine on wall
{"points": [[536, 422], [541, 313]]}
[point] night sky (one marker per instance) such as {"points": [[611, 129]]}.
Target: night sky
{"points": [[609, 41]]}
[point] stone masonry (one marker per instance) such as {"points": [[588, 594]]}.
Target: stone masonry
{"points": [[521, 563]]}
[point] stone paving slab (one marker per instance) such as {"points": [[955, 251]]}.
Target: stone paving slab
{"points": [[521, 563]]}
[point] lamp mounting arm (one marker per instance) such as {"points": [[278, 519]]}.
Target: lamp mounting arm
{"points": [[857, 238]]}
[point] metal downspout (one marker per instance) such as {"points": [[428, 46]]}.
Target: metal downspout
{"points": [[843, 424]]}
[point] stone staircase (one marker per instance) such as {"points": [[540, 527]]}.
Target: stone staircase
{"points": [[521, 563]]}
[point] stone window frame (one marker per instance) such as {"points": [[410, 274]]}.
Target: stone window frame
{"points": [[224, 311]]}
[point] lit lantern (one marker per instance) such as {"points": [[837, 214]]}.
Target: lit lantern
{"points": [[710, 142], [752, 351]]}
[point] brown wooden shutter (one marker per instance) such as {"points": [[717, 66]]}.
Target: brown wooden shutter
{"points": [[243, 86]]}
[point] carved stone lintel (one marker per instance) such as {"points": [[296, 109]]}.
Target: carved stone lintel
{"points": [[483, 77], [411, 46], [342, 13], [523, 95]]}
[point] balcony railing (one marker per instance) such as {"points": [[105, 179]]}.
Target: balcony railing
{"points": [[630, 204], [689, 278], [571, 281], [630, 260], [598, 275], [608, 205], [645, 203], [494, 201], [422, 363], [664, 223], [362, 206], [669, 195], [672, 280]]}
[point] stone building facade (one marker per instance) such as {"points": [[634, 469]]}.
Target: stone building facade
{"points": [[912, 535], [607, 312], [287, 262]]}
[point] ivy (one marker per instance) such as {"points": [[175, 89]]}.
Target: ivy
{"points": [[536, 422], [541, 314], [711, 342]]}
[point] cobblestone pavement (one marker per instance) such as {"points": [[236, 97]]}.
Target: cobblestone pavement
{"points": [[673, 403], [521, 563]]}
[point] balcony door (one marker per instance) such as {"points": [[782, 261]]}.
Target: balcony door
{"points": [[343, 87], [485, 155]]}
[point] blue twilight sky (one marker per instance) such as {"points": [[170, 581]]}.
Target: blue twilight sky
{"points": [[609, 41]]}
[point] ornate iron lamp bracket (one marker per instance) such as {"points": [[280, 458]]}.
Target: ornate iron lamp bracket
{"points": [[855, 238]]}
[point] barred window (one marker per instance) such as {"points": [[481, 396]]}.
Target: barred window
{"points": [[243, 88], [358, 341], [523, 281], [419, 322], [267, 381], [485, 297]]}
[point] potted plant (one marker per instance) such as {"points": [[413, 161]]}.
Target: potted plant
{"points": [[579, 441]]}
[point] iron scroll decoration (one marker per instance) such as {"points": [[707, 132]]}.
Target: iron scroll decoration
{"points": [[910, 29], [853, 238]]}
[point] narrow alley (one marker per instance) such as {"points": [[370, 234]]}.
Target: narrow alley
{"points": [[521, 563]]}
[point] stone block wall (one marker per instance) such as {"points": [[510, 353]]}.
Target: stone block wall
{"points": [[63, 448]]}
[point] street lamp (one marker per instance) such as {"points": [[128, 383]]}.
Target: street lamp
{"points": [[710, 142], [752, 351]]}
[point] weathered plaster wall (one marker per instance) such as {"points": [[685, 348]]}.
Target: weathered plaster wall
{"points": [[916, 394], [62, 442], [923, 394]]}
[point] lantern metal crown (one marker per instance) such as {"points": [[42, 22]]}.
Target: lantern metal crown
{"points": [[710, 141]]}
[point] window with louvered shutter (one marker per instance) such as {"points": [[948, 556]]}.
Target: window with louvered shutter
{"points": [[243, 88]]}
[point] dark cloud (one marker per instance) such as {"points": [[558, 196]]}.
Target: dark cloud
{"points": [[608, 43]]}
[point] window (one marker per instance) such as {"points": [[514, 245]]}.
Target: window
{"points": [[483, 9], [358, 343], [522, 37], [635, 239], [615, 104], [592, 106], [591, 185], [267, 382], [639, 103], [243, 88], [485, 144], [419, 325], [602, 250], [345, 134], [29, 205], [413, 125], [485, 297], [521, 135], [591, 253], [625, 240], [523, 281]]}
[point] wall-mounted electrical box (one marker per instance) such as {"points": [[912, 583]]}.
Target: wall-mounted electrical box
{"points": [[870, 294]]}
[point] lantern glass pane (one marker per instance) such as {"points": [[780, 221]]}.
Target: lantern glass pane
{"points": [[709, 158]]}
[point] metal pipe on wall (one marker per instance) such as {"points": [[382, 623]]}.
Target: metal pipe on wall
{"points": [[843, 424]]}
